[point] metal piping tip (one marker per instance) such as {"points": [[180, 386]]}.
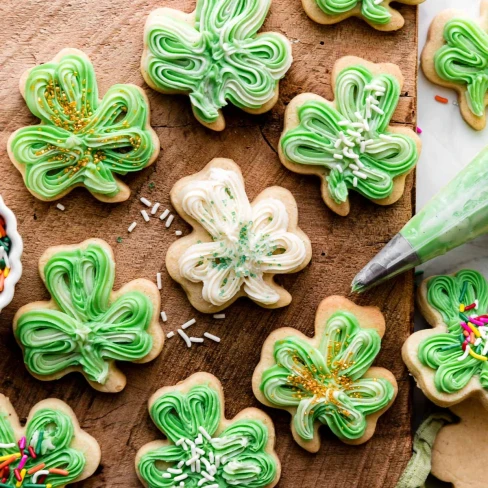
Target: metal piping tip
{"points": [[395, 258]]}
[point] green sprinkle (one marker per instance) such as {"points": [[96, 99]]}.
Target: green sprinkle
{"points": [[119, 239]]}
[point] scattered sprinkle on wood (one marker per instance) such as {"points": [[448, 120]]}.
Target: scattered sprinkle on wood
{"points": [[184, 337], [146, 202], [164, 318], [170, 219], [188, 324], [158, 281], [164, 214], [145, 215], [219, 316], [132, 227], [169, 335], [211, 337], [196, 340], [61, 207], [178, 233], [155, 208]]}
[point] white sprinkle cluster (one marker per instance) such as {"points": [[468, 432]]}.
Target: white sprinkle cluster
{"points": [[355, 138], [202, 462], [191, 340]]}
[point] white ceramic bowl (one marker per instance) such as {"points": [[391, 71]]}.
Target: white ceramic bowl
{"points": [[14, 257]]}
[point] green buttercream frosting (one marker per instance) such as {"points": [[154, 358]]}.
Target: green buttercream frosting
{"points": [[463, 60], [217, 57], [86, 328], [50, 433], [81, 141], [351, 140], [455, 357], [234, 456], [370, 10], [326, 384]]}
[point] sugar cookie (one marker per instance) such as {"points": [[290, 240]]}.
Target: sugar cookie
{"points": [[456, 56], [202, 447], [449, 361], [81, 140], [349, 143], [87, 327], [377, 13], [215, 56], [328, 379], [236, 247], [50, 451]]}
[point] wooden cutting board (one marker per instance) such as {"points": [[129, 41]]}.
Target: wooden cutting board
{"points": [[110, 32]]}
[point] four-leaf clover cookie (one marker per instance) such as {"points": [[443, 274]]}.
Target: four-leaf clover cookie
{"points": [[215, 56], [51, 450], [456, 56], [203, 448], [86, 326], [81, 140], [377, 13], [349, 143], [328, 379], [450, 361], [236, 247]]}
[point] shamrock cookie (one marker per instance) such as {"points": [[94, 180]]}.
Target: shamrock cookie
{"points": [[377, 13], [348, 143], [81, 140], [328, 379], [452, 454], [86, 326], [236, 247], [203, 448], [10, 252], [215, 56], [50, 451], [450, 361], [456, 56]]}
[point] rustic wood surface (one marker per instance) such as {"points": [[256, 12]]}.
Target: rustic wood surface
{"points": [[110, 32]]}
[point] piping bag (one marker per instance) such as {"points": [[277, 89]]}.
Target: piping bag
{"points": [[456, 215]]}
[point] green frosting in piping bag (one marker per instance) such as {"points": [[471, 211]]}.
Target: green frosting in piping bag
{"points": [[351, 140], [49, 433], [235, 456], [464, 60], [455, 355], [217, 58], [81, 140], [86, 328], [370, 10], [326, 384]]}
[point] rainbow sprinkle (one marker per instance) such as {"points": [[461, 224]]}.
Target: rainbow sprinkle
{"points": [[5, 245], [19, 470]]}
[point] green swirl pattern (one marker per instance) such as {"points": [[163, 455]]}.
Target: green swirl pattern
{"points": [[49, 433], [235, 456], [216, 57], [351, 140], [81, 141], [455, 356], [463, 60], [85, 328], [325, 384], [371, 10]]}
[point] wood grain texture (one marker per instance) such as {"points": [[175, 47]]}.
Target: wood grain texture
{"points": [[110, 32]]}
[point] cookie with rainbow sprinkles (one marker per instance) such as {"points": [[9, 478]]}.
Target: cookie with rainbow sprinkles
{"points": [[49, 451], [450, 360], [328, 380]]}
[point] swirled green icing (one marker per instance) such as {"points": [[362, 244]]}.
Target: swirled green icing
{"points": [[326, 384], [454, 356], [463, 60], [351, 140], [235, 456], [217, 58], [49, 433], [371, 10], [81, 140], [86, 328]]}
